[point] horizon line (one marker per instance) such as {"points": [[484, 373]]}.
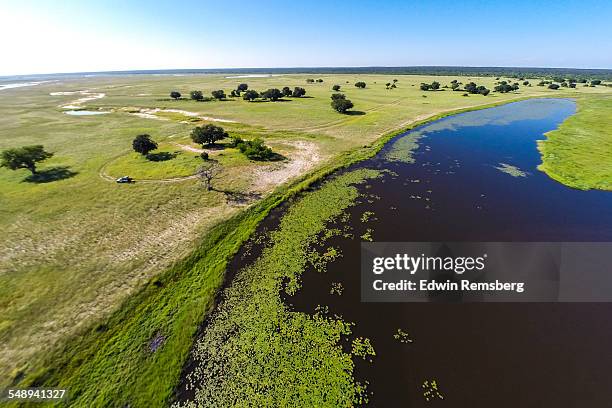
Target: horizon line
{"points": [[296, 69]]}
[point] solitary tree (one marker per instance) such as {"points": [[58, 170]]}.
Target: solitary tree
{"points": [[143, 144], [286, 91], [196, 95], [250, 95], [207, 134], [272, 94], [341, 105], [207, 173], [242, 87], [175, 95], [24, 157], [298, 92], [336, 88], [360, 84], [218, 94]]}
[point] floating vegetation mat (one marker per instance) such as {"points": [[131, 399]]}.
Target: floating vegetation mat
{"points": [[256, 351], [511, 170]]}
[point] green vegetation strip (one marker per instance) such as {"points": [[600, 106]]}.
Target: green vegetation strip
{"points": [[255, 348], [579, 152], [112, 364]]}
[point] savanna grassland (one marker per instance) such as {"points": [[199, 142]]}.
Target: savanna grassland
{"points": [[91, 271]]}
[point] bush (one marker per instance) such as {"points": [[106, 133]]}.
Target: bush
{"points": [[242, 87], [553, 86], [309, 81], [319, 80], [235, 141], [204, 156], [196, 95], [286, 91], [336, 87], [360, 84], [175, 95], [255, 149], [208, 134]]}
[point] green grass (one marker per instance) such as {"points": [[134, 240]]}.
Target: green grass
{"points": [[81, 250], [181, 164], [579, 152]]}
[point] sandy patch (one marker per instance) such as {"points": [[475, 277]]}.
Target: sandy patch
{"points": [[87, 96], [151, 114], [303, 158]]}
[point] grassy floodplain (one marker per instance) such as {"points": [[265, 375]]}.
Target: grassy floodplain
{"points": [[88, 268]]}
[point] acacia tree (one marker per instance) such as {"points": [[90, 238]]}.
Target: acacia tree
{"points": [[250, 95], [196, 95], [143, 144], [24, 157], [218, 94], [175, 95], [208, 134]]}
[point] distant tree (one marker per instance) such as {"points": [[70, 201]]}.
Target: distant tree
{"points": [[24, 157], [435, 85], [557, 79], [393, 86], [309, 81], [336, 88], [242, 87], [204, 156], [360, 84], [250, 95], [387, 85], [582, 81], [341, 105], [572, 85], [143, 144], [595, 82], [219, 94], [233, 94], [319, 80], [337, 96], [286, 91], [564, 84], [484, 91], [208, 134], [454, 85], [196, 95], [425, 87], [175, 95], [272, 94], [471, 87], [526, 83], [395, 80], [553, 86], [298, 92]]}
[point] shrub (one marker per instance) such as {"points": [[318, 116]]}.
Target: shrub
{"points": [[319, 80], [272, 94], [309, 81], [255, 149], [336, 87], [204, 156], [175, 95], [286, 91], [242, 87], [360, 84], [553, 86]]}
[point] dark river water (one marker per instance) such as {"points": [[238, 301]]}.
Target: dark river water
{"points": [[480, 354]]}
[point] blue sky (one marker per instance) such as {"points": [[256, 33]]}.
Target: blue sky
{"points": [[70, 36]]}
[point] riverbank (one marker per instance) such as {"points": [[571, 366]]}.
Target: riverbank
{"points": [[579, 153], [170, 307]]}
